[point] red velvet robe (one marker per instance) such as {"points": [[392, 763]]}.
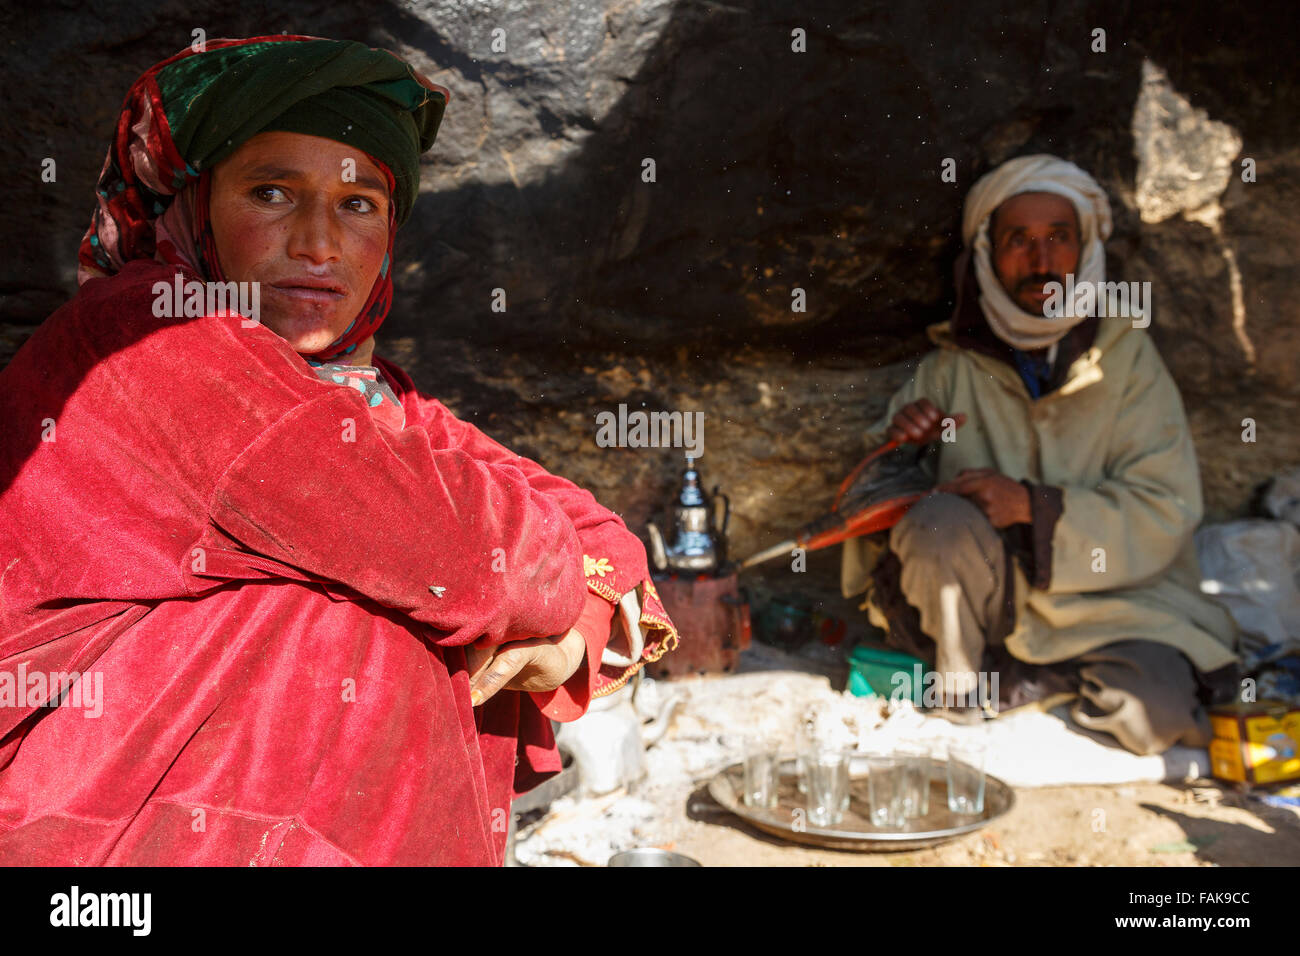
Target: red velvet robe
{"points": [[274, 589]]}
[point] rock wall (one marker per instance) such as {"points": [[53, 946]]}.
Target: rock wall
{"points": [[774, 171]]}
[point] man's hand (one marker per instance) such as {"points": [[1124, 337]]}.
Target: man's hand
{"points": [[920, 422], [536, 664], [1003, 500]]}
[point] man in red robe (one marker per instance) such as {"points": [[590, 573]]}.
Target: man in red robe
{"points": [[261, 601]]}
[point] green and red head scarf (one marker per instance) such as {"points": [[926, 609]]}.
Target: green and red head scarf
{"points": [[189, 112]]}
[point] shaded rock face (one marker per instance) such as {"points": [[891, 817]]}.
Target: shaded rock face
{"points": [[777, 175]]}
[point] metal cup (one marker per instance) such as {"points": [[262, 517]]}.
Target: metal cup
{"points": [[650, 856]]}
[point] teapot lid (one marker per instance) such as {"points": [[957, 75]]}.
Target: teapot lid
{"points": [[690, 495]]}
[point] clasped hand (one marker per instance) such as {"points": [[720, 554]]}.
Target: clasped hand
{"points": [[534, 665]]}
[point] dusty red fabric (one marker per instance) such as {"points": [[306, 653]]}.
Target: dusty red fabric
{"points": [[570, 701], [275, 591]]}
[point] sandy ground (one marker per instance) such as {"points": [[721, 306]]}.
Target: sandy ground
{"points": [[1197, 822], [1130, 825]]}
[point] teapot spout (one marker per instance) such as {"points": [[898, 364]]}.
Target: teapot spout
{"points": [[658, 552]]}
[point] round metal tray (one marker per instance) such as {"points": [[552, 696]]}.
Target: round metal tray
{"points": [[855, 831]]}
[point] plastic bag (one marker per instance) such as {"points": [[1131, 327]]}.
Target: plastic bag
{"points": [[1252, 568]]}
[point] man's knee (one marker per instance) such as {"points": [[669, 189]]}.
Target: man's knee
{"points": [[938, 527], [1143, 694]]}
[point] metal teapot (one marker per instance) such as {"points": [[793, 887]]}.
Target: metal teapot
{"points": [[699, 527]]}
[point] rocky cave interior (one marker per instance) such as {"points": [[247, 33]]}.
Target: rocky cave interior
{"points": [[775, 171]]}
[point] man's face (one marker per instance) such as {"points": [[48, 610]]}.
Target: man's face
{"points": [[283, 216], [1035, 239]]}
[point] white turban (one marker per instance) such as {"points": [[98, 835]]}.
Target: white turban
{"points": [[1033, 174]]}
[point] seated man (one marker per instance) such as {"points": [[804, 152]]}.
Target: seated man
{"points": [[1060, 533], [309, 616]]}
